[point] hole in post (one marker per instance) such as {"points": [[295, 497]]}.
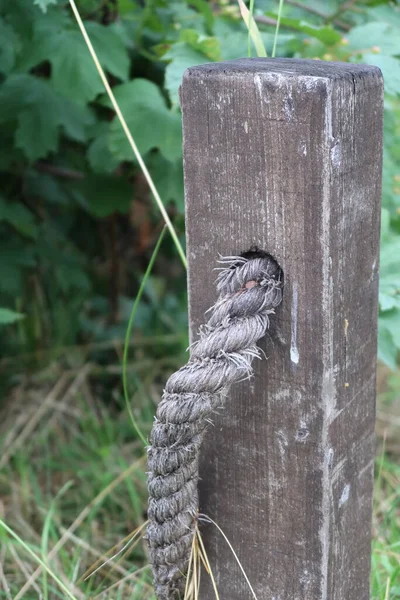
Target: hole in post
{"points": [[274, 270]]}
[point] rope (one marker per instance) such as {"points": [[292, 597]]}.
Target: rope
{"points": [[249, 287]]}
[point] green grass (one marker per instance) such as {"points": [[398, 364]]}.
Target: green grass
{"points": [[386, 542], [83, 459]]}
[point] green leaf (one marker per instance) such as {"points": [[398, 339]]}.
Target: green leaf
{"points": [[182, 56], [387, 351], [385, 225], [9, 154], [109, 43], [15, 252], [181, 13], [393, 323], [209, 46], [168, 177], [16, 258], [151, 123], [206, 10], [390, 251], [390, 174], [73, 72], [11, 280], [70, 276], [76, 120], [389, 295], [103, 195], [39, 113], [389, 280], [46, 188], [382, 35], [99, 155], [125, 6], [19, 217], [389, 337], [390, 68], [9, 46], [386, 13], [44, 4], [8, 316], [34, 135], [192, 49]]}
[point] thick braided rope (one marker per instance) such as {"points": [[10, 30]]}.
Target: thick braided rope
{"points": [[249, 289]]}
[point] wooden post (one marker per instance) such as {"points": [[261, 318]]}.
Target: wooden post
{"points": [[286, 154]]}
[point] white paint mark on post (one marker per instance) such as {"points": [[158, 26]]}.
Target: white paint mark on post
{"points": [[294, 351], [258, 84], [345, 495], [282, 442], [336, 155], [305, 578]]}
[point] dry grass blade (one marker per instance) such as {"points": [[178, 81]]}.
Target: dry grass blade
{"points": [[209, 520], [204, 557], [191, 567], [96, 567], [130, 577], [99, 555]]}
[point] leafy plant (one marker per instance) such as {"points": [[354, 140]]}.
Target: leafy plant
{"points": [[75, 215]]}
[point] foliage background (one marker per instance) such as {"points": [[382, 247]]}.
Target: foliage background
{"points": [[78, 224], [76, 219]]}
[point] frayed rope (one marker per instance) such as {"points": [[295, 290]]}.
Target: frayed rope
{"points": [[249, 288]]}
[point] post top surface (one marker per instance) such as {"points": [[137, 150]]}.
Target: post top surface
{"points": [[284, 66]]}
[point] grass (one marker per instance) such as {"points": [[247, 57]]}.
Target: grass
{"points": [[88, 449], [385, 580], [386, 528], [129, 335], [79, 478]]}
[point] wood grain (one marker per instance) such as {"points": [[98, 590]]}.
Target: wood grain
{"points": [[286, 154]]}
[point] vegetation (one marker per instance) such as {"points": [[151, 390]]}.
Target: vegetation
{"points": [[77, 229]]}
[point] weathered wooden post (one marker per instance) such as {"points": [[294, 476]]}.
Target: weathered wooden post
{"points": [[286, 154]]}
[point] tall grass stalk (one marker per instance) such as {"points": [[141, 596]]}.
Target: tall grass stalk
{"points": [[45, 536], [251, 12], [251, 25], [278, 24], [129, 135], [129, 332]]}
